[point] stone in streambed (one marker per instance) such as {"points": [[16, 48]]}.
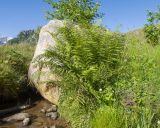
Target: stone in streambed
{"points": [[17, 117], [52, 109], [52, 115], [43, 110], [26, 121], [53, 126]]}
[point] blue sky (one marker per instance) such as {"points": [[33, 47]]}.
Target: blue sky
{"points": [[125, 15]]}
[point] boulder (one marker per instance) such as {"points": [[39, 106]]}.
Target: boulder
{"points": [[40, 75]]}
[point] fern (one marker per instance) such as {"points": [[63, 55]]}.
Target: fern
{"points": [[87, 59]]}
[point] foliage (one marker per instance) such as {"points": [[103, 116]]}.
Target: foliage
{"points": [[139, 82], [81, 11], [27, 36], [88, 62], [104, 83], [14, 61], [152, 29], [108, 117], [137, 93], [117, 117]]}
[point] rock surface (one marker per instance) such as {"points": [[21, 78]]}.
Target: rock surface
{"points": [[52, 115], [17, 117], [53, 108], [26, 121], [40, 76], [37, 118]]}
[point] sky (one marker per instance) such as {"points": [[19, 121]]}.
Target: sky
{"points": [[122, 15]]}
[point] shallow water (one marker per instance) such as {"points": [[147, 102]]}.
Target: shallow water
{"points": [[38, 120]]}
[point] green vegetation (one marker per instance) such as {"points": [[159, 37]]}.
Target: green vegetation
{"points": [[88, 61], [14, 62], [107, 80], [152, 29], [81, 11], [27, 36]]}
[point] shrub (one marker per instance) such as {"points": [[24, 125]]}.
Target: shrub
{"points": [[152, 29], [152, 34], [14, 61], [27, 36], [88, 62]]}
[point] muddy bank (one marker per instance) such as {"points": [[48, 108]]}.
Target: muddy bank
{"points": [[38, 119]]}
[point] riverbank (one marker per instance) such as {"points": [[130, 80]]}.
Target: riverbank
{"points": [[38, 119]]}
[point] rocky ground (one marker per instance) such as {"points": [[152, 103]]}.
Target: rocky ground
{"points": [[41, 115]]}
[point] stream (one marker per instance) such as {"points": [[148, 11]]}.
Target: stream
{"points": [[38, 119]]}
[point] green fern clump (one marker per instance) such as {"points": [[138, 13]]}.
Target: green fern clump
{"points": [[87, 59]]}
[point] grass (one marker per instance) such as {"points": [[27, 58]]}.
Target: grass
{"points": [[131, 98], [129, 95], [14, 62]]}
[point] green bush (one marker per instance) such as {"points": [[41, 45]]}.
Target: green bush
{"points": [[14, 62], [88, 62], [27, 36], [79, 11], [152, 29], [152, 34]]}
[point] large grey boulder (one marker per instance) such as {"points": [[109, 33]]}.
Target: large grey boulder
{"points": [[40, 76]]}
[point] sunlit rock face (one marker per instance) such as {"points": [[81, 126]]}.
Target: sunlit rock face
{"points": [[40, 76]]}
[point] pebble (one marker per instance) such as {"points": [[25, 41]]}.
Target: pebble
{"points": [[52, 115], [53, 126], [52, 109], [43, 111], [37, 123], [45, 127], [26, 121]]}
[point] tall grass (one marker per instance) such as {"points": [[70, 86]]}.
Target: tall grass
{"points": [[107, 81], [14, 62]]}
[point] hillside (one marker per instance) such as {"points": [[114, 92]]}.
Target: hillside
{"points": [[136, 68], [137, 33]]}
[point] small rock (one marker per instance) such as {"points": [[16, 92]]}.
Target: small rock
{"points": [[45, 127], [52, 115], [17, 117], [52, 109], [36, 124], [53, 126], [26, 121], [43, 111]]}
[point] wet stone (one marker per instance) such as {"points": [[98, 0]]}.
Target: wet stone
{"points": [[53, 126], [52, 115], [26, 121], [43, 110], [52, 109]]}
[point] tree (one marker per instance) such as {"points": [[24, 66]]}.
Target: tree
{"points": [[28, 36], [81, 11]]}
